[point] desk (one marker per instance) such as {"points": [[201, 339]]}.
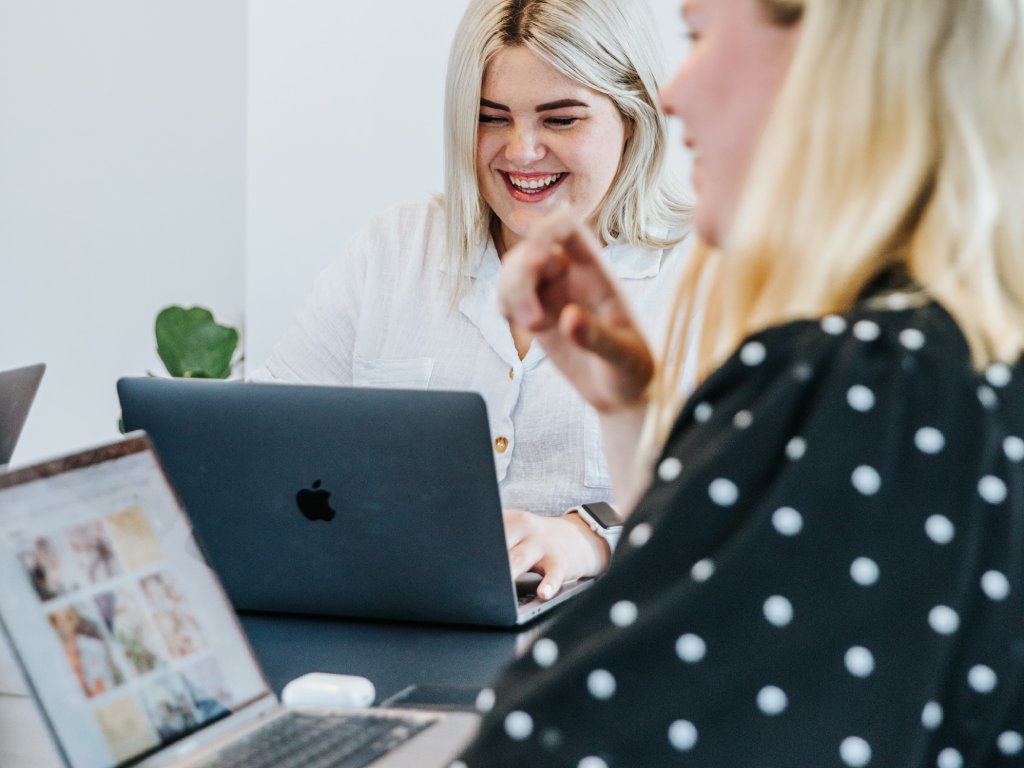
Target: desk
{"points": [[417, 664]]}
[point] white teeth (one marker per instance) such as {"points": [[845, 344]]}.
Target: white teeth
{"points": [[534, 184]]}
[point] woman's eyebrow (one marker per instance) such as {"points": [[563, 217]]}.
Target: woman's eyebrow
{"points": [[560, 104], [493, 105]]}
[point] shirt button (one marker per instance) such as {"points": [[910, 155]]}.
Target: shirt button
{"points": [[511, 373], [501, 444]]}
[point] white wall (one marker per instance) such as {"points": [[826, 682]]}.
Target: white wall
{"points": [[122, 184], [345, 119]]}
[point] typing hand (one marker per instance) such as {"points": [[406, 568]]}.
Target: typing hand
{"points": [[561, 549], [553, 285]]}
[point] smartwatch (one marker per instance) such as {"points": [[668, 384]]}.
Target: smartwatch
{"points": [[602, 519]]}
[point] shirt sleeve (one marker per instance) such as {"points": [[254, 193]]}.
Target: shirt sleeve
{"points": [[819, 575]]}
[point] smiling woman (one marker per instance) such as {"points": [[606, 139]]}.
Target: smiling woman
{"points": [[549, 104], [826, 565]]}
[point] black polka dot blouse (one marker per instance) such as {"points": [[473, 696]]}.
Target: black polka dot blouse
{"points": [[826, 571]]}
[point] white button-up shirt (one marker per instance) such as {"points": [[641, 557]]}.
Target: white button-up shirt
{"points": [[381, 315]]}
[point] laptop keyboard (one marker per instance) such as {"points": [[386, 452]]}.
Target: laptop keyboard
{"points": [[318, 741]]}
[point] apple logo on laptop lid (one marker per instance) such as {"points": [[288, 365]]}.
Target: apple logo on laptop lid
{"points": [[314, 503]]}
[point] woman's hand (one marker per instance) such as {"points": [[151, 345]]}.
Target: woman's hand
{"points": [[553, 285], [561, 549]]}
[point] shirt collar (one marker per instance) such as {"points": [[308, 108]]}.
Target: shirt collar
{"points": [[621, 259]]}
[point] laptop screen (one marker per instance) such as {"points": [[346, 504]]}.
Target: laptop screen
{"points": [[121, 628]]}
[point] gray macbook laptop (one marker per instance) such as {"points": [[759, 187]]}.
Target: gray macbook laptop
{"points": [[337, 500], [17, 391], [131, 649]]}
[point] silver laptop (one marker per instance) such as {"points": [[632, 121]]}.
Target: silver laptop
{"points": [[17, 391], [355, 502], [130, 647]]}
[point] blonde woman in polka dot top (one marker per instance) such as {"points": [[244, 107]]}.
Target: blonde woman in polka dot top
{"points": [[825, 564]]}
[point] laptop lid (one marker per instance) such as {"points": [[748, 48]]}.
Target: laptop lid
{"points": [[121, 629], [18, 388], [355, 502]]}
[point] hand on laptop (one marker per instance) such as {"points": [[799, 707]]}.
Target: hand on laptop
{"points": [[561, 549]]}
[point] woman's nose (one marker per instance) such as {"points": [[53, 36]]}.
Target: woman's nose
{"points": [[524, 147]]}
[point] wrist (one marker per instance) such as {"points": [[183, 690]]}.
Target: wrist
{"points": [[603, 526]]}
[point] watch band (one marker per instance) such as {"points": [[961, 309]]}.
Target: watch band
{"points": [[602, 519]]}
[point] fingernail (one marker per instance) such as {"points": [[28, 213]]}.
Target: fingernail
{"points": [[545, 591]]}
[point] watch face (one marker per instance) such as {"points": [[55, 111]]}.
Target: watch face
{"points": [[604, 514]]}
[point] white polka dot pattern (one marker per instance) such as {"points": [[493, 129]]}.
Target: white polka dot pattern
{"points": [[866, 330], [855, 752], [998, 375], [702, 412], [796, 448], [995, 585], [866, 480], [929, 440], [702, 570], [987, 397], [860, 662], [860, 398], [943, 620], [545, 652], [723, 492], [690, 648], [518, 725], [982, 678], [992, 489], [861, 513], [931, 715], [833, 325], [485, 700], [778, 610], [1010, 743], [640, 535], [753, 353], [669, 469], [940, 529], [864, 571], [1013, 447], [601, 684], [912, 339], [682, 735], [772, 700], [743, 419], [787, 521], [623, 613]]}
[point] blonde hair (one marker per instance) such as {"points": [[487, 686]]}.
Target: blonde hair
{"points": [[608, 46], [894, 141]]}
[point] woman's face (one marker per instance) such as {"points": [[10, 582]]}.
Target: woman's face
{"points": [[544, 142], [724, 92]]}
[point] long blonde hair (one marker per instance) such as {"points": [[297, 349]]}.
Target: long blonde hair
{"points": [[609, 46], [895, 140]]}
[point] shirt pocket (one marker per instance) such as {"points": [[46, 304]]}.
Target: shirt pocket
{"points": [[595, 465], [394, 373]]}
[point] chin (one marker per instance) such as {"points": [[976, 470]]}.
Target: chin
{"points": [[706, 226]]}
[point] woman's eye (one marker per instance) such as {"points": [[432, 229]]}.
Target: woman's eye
{"points": [[491, 119], [562, 122]]}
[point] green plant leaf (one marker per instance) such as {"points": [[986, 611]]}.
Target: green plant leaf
{"points": [[193, 345]]}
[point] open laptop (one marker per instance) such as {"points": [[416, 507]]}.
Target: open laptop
{"points": [[17, 391], [131, 649], [337, 500]]}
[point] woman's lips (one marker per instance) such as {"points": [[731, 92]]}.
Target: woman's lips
{"points": [[532, 187]]}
